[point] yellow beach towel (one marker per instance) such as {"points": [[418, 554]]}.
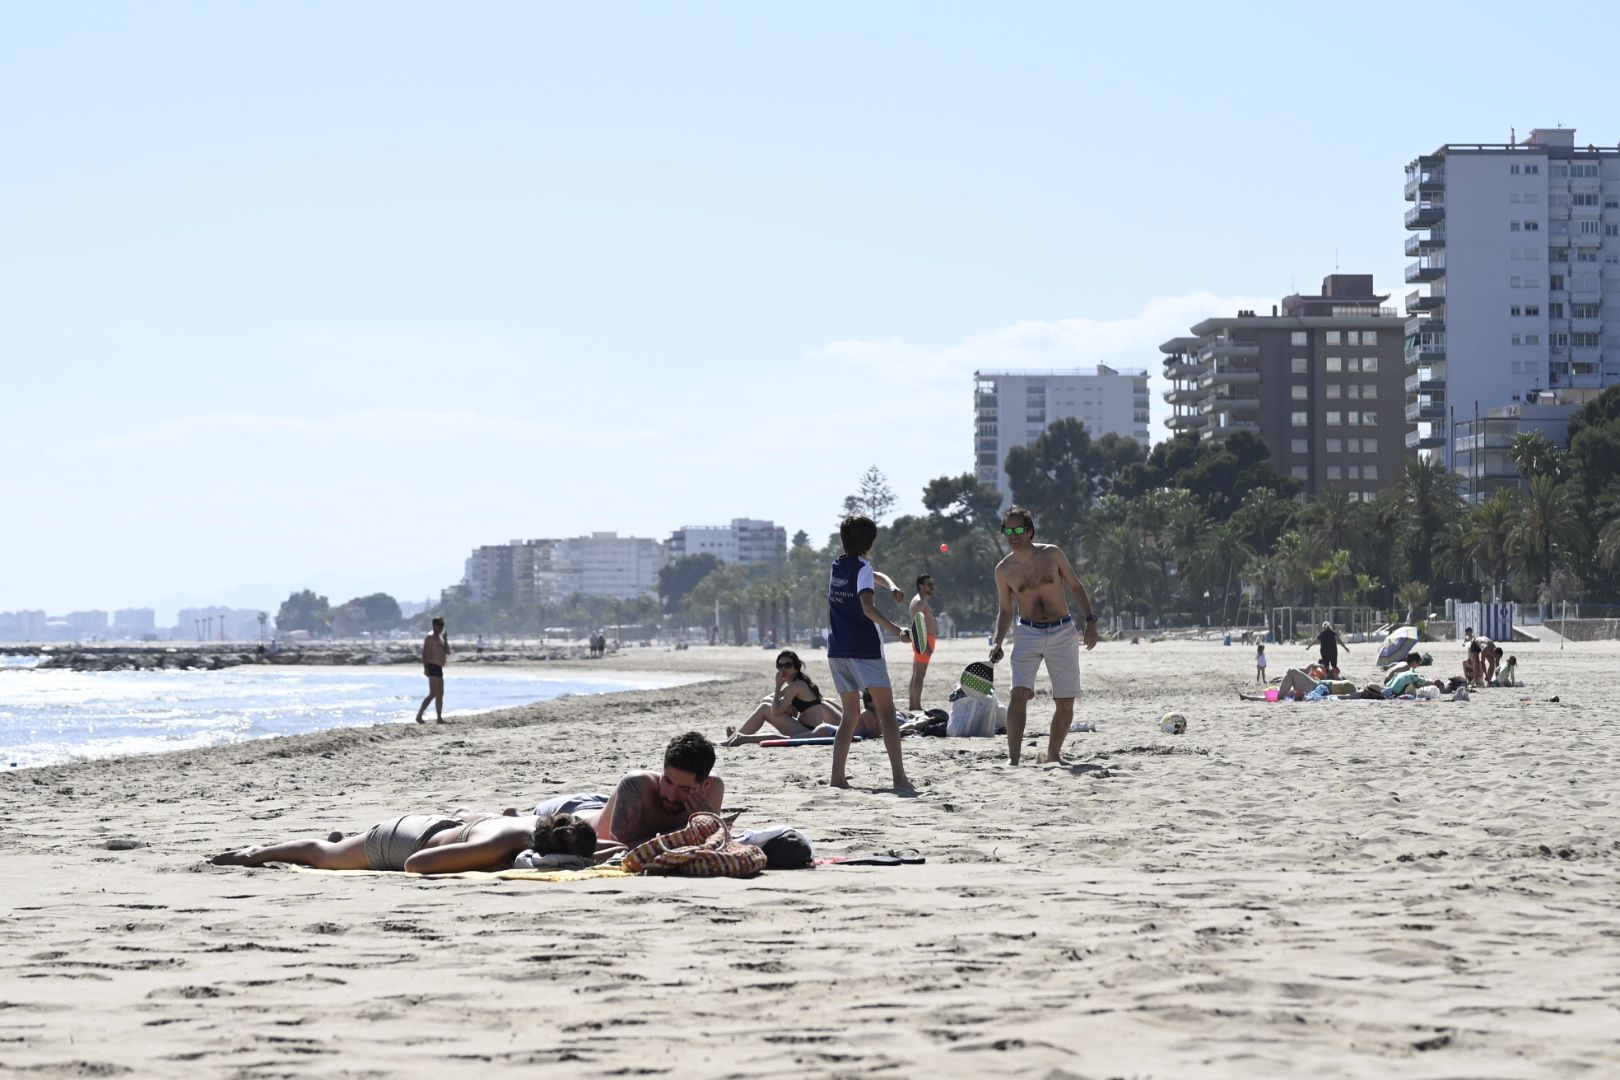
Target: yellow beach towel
{"points": [[481, 875]]}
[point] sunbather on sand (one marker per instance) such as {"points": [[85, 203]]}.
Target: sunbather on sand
{"points": [[866, 726], [794, 708], [648, 803], [431, 844]]}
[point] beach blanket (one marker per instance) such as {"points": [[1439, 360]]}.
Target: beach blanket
{"points": [[478, 875]]}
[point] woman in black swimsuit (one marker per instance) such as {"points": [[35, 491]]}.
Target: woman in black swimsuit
{"points": [[795, 708]]}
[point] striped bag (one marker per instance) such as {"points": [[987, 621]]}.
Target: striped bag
{"points": [[704, 848]]}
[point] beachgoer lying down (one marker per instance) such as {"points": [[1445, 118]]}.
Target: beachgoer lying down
{"points": [[432, 844], [794, 708], [866, 726], [647, 803]]}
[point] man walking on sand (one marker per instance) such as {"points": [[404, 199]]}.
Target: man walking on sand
{"points": [[1030, 581], [435, 651], [921, 655]]}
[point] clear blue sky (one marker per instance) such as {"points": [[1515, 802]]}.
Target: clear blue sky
{"points": [[311, 294]]}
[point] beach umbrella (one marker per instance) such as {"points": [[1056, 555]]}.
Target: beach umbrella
{"points": [[1401, 640]]}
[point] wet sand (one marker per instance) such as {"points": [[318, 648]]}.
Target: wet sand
{"points": [[1368, 889]]}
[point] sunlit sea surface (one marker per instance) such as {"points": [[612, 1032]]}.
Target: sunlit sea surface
{"points": [[47, 717]]}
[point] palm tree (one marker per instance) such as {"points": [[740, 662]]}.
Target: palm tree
{"points": [[1331, 574], [1484, 538], [1264, 572], [1224, 553], [1334, 521], [1608, 545], [1263, 516], [1549, 525], [1428, 502], [1534, 454], [1413, 596]]}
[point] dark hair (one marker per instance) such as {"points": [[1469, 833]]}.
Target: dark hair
{"points": [[1020, 512], [922, 578], [1475, 647], [1498, 653], [437, 621], [858, 533], [691, 753], [798, 667], [1513, 659], [564, 834]]}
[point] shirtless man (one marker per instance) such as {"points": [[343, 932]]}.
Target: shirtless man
{"points": [[1031, 580], [431, 844], [435, 651], [919, 660], [648, 803]]}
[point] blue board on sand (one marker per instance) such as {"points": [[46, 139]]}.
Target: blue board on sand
{"points": [[808, 740]]}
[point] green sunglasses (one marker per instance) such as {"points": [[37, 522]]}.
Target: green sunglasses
{"points": [[1015, 530]]}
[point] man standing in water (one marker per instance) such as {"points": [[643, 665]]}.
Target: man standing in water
{"points": [[435, 651], [1030, 581], [924, 651]]}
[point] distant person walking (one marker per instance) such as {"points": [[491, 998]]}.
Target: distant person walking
{"points": [[923, 651], [435, 651]]}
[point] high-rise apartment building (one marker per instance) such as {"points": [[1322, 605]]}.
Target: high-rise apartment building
{"points": [[1519, 245], [515, 575], [1014, 407], [524, 573], [745, 541], [1320, 381]]}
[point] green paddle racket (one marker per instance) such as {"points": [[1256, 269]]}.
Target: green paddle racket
{"points": [[978, 679]]}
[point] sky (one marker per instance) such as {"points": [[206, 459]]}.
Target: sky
{"points": [[310, 295]]}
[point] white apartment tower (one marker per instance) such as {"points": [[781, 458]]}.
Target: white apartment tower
{"points": [[1014, 407], [746, 541], [1519, 245]]}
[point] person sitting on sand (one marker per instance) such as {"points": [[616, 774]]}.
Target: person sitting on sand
{"points": [[866, 726], [1510, 673], [795, 708], [648, 803], [432, 844]]}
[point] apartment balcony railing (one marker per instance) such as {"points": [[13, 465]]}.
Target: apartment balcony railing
{"points": [[1416, 301], [1429, 409], [1425, 184], [1421, 244], [1424, 271], [1425, 354], [1419, 325], [1426, 382], [1424, 440], [1217, 350], [1425, 215], [1178, 369], [1226, 426], [1230, 404], [1187, 421], [1229, 377], [1183, 395]]}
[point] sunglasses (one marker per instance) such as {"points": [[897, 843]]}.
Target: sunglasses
{"points": [[786, 664], [1015, 530]]}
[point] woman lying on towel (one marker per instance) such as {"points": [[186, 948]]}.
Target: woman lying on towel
{"points": [[431, 844], [795, 708]]}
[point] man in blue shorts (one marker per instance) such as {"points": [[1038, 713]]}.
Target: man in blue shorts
{"points": [[855, 648]]}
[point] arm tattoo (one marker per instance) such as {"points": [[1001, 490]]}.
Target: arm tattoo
{"points": [[628, 812]]}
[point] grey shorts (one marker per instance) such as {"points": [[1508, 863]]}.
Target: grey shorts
{"points": [[1059, 646], [571, 804], [851, 676], [390, 843]]}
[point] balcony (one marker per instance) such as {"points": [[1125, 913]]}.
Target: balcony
{"points": [[1417, 440], [1220, 426], [1426, 382], [1229, 377], [1183, 395], [1187, 421], [1233, 403], [1178, 368], [1424, 270], [1426, 183], [1429, 409], [1425, 354], [1418, 244], [1429, 324], [1216, 350], [1416, 301], [1425, 215]]}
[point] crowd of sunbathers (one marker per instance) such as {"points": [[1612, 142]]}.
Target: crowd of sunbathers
{"points": [[1406, 680], [565, 831]]}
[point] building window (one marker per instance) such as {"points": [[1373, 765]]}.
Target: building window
{"points": [[1555, 311], [1532, 310], [1353, 418], [1333, 337], [1513, 226], [1300, 472], [1352, 337], [1334, 419], [1353, 390], [1299, 337], [1352, 363], [1299, 392], [1299, 419], [1369, 364], [1369, 337], [1369, 391], [1514, 282], [1532, 339], [1352, 472], [1335, 446], [1334, 390], [1556, 283], [1532, 226], [1611, 230], [1335, 473], [1334, 364], [1369, 446], [1299, 365], [1300, 446], [1352, 446], [1515, 311], [1514, 340], [1369, 419], [1369, 472]]}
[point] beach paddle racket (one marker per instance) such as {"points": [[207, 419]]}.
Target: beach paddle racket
{"points": [[919, 633], [978, 679]]}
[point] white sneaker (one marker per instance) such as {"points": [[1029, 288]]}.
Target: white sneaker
{"points": [[1082, 725]]}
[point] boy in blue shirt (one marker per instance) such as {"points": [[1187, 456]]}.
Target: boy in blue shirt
{"points": [[855, 648]]}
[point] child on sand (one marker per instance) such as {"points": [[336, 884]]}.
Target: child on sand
{"points": [[855, 648], [1260, 663]]}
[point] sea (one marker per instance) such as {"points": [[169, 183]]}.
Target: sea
{"points": [[53, 716]]}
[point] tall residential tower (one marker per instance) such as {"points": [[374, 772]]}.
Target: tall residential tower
{"points": [[1014, 407]]}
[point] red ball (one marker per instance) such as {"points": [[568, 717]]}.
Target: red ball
{"points": [[944, 549]]}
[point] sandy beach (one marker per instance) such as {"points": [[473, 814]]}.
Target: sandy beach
{"points": [[1357, 889]]}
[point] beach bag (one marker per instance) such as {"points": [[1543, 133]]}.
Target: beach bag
{"points": [[704, 848], [974, 718]]}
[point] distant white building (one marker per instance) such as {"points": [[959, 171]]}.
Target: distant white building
{"points": [[746, 541], [522, 574], [1519, 245], [1014, 407], [133, 622], [22, 625]]}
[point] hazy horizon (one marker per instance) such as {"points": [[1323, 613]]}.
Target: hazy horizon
{"points": [[302, 296]]}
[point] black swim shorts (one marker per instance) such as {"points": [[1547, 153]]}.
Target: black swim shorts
{"points": [[433, 671]]}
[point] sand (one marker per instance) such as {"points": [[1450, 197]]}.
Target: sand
{"points": [[1367, 889]]}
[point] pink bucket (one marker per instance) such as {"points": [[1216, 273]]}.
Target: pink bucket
{"points": [[1271, 695]]}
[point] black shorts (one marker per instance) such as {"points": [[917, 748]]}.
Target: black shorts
{"points": [[433, 671]]}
